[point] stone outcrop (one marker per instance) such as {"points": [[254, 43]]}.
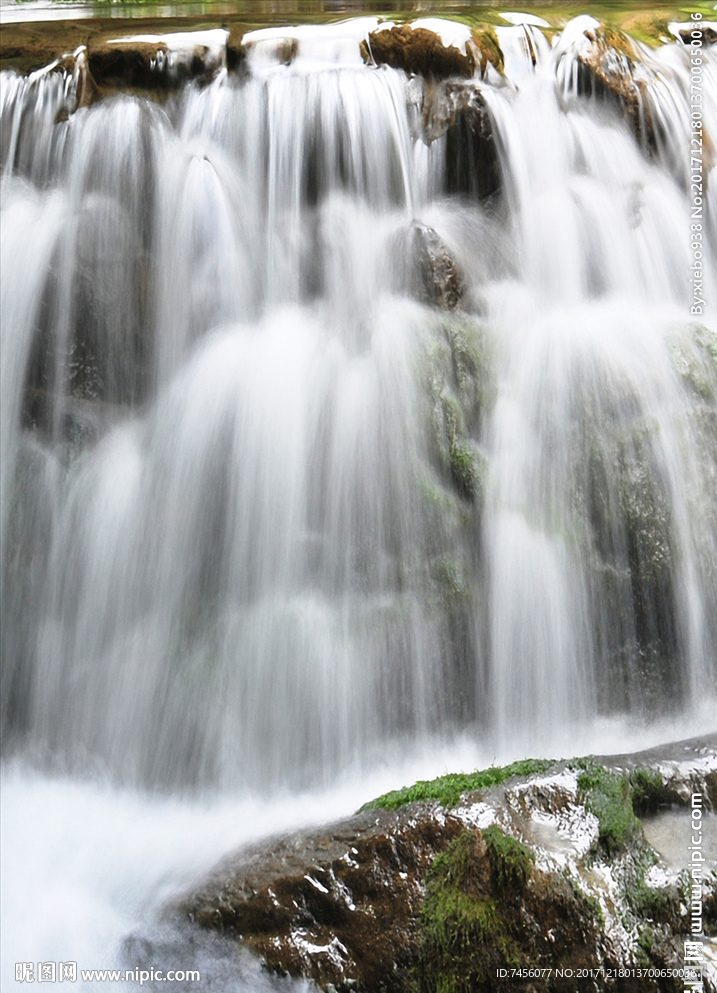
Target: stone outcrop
{"points": [[422, 51], [432, 274], [550, 870], [419, 51], [158, 61], [458, 110], [600, 61]]}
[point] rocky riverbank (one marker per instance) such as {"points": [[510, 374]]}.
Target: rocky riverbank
{"points": [[539, 866]]}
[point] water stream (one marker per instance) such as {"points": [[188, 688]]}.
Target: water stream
{"points": [[278, 532]]}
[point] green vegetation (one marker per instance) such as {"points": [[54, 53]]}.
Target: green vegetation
{"points": [[646, 790], [447, 790], [461, 387], [607, 795], [465, 931], [449, 577], [510, 862], [463, 468], [490, 50]]}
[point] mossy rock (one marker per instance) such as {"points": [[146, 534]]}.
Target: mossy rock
{"points": [[461, 386], [417, 50], [623, 497], [447, 790], [488, 908], [489, 50], [465, 935], [607, 795], [647, 790], [510, 861]]}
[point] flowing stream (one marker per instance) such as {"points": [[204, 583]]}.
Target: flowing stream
{"points": [[278, 532]]}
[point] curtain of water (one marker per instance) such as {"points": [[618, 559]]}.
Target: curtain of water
{"points": [[263, 512]]}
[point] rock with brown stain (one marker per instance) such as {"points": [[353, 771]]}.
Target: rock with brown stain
{"points": [[340, 905]]}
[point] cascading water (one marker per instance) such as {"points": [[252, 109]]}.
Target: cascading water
{"points": [[267, 514]]}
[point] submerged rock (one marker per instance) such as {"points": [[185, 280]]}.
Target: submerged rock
{"points": [[595, 59], [457, 111], [159, 61], [543, 871], [432, 274]]}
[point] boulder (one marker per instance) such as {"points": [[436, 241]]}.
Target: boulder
{"points": [[442, 885], [433, 275], [601, 61], [338, 906], [419, 49], [159, 61]]}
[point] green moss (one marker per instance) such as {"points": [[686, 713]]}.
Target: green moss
{"points": [[447, 790], [464, 471], [490, 51], [619, 42], [645, 942], [589, 905], [694, 358], [510, 861], [646, 790], [464, 935], [608, 796], [656, 904], [449, 576], [461, 389]]}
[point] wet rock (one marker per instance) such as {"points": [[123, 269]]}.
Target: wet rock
{"points": [[425, 897], [136, 65], [158, 61], [432, 273], [459, 111], [339, 906], [707, 33], [600, 61], [417, 50]]}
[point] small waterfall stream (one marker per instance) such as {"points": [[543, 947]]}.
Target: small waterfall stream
{"points": [[272, 521]]}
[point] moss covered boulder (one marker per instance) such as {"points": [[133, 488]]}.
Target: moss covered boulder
{"points": [[449, 886]]}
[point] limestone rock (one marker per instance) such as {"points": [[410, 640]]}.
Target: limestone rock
{"points": [[534, 873], [340, 905], [418, 50], [433, 276], [598, 60]]}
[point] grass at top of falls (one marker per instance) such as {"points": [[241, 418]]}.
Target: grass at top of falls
{"points": [[447, 790]]}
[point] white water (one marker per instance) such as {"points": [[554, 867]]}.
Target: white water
{"points": [[234, 561]]}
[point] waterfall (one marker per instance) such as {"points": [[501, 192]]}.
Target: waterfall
{"points": [[271, 509], [237, 545]]}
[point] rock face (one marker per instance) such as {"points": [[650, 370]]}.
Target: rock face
{"points": [[603, 62], [159, 61], [418, 50], [549, 871], [338, 905], [433, 275]]}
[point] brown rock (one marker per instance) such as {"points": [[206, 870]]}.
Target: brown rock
{"points": [[607, 70], [458, 110], [434, 277], [341, 905], [417, 50], [708, 34]]}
